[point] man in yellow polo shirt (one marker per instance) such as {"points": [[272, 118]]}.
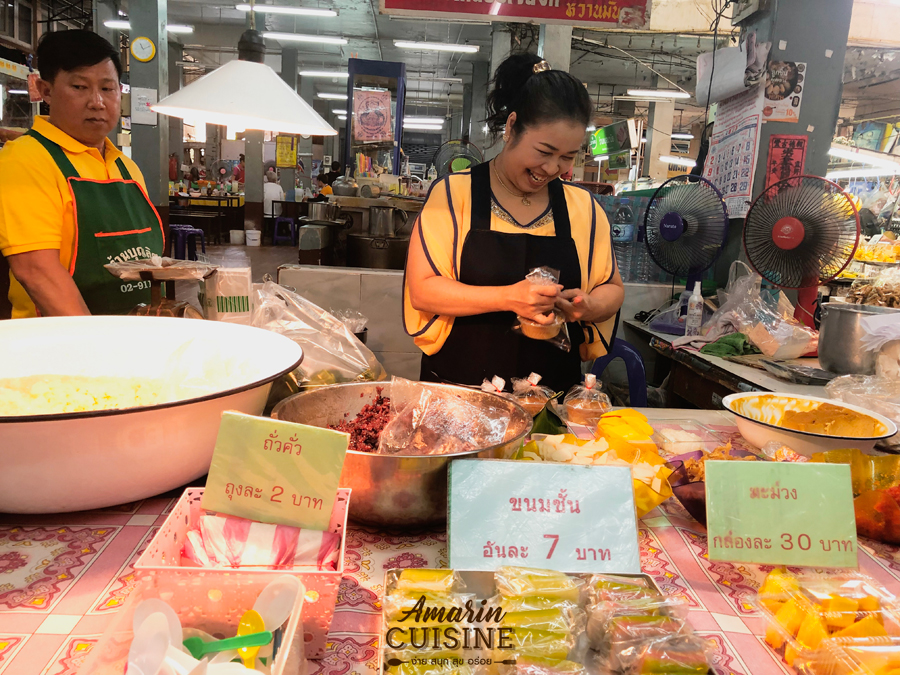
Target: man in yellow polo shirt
{"points": [[70, 201]]}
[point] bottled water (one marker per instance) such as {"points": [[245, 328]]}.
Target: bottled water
{"points": [[623, 238]]}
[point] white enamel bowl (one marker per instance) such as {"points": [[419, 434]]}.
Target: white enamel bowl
{"points": [[757, 420], [71, 462]]}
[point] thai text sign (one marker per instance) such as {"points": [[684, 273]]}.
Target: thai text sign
{"points": [[779, 513], [285, 152], [614, 139], [618, 13], [566, 517], [275, 472]]}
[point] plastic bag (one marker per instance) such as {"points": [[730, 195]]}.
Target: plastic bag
{"points": [[354, 320], [516, 582], [160, 269], [495, 385], [530, 395], [331, 353], [883, 291], [556, 333], [226, 295], [427, 421], [429, 581], [878, 394], [682, 654], [585, 403]]}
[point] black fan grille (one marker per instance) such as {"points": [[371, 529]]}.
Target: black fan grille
{"points": [[831, 232], [702, 209]]}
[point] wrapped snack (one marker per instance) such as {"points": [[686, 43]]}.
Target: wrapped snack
{"points": [[585, 403], [561, 668], [628, 633], [529, 603], [516, 582], [530, 395], [425, 580], [495, 385], [608, 587], [398, 604], [674, 655], [535, 646], [561, 619], [555, 332], [602, 615]]}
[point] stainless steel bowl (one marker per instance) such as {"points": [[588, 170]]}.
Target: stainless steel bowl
{"points": [[391, 491], [840, 338]]}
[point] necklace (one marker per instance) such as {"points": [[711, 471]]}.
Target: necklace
{"points": [[523, 196]]}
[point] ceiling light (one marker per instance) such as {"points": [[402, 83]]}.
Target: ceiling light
{"points": [[333, 97], [591, 128], [874, 172], [297, 37], [436, 47], [450, 80], [22, 92], [424, 120], [245, 94], [342, 117], [653, 94], [601, 158], [678, 161], [125, 25], [862, 156], [423, 127], [323, 73], [682, 137], [274, 9], [336, 111]]}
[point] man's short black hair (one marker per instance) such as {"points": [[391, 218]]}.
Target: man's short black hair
{"points": [[69, 50], [335, 166]]}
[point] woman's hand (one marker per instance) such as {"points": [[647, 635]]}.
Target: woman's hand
{"points": [[574, 304], [533, 301]]}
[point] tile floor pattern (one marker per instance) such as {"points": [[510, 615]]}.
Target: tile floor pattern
{"points": [[63, 576]]}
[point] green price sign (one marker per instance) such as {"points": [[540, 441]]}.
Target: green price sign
{"points": [[779, 513], [614, 139]]}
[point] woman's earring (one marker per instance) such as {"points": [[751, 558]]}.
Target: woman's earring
{"points": [[505, 138]]}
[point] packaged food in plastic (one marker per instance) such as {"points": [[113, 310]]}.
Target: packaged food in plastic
{"points": [[529, 603], [563, 618], [673, 655], [878, 394], [555, 332], [535, 646], [429, 580], [495, 385], [530, 395], [561, 668], [603, 614], [677, 437], [516, 582], [160, 269], [872, 656], [628, 634], [354, 320], [431, 422], [331, 353], [585, 403], [609, 587], [882, 291], [399, 605]]}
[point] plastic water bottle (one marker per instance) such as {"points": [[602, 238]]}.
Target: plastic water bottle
{"points": [[623, 238], [695, 312]]}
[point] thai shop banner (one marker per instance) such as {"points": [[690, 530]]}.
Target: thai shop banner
{"points": [[372, 116], [606, 13], [614, 138]]}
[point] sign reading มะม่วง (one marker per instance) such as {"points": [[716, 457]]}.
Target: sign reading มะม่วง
{"points": [[781, 513], [610, 13], [566, 517]]}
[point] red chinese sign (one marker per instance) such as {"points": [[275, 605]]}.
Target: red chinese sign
{"points": [[787, 157], [610, 13]]}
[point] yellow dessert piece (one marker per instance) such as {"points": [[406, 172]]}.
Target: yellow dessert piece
{"points": [[626, 430], [833, 420], [522, 581], [812, 631], [840, 612], [869, 604], [426, 580], [778, 586], [866, 628], [789, 618]]}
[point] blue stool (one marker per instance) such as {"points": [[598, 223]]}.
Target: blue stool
{"points": [[290, 237], [184, 237], [634, 366]]}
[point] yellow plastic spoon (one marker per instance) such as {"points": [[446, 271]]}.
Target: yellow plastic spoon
{"points": [[251, 622]]}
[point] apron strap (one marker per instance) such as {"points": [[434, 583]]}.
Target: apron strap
{"points": [[56, 152], [560, 210], [481, 197], [122, 170]]}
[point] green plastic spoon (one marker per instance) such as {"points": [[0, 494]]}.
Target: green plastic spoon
{"points": [[198, 648]]}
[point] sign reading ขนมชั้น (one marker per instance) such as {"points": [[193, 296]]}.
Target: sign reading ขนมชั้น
{"points": [[614, 139]]}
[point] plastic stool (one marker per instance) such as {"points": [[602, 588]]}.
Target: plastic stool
{"points": [[634, 366], [184, 237], [290, 237]]}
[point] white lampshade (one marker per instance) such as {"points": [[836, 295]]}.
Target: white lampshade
{"points": [[245, 95]]}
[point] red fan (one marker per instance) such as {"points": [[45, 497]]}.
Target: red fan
{"points": [[801, 233]]}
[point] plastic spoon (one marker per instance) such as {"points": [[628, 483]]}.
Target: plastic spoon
{"points": [[250, 640], [149, 645], [152, 606], [251, 622], [276, 602]]}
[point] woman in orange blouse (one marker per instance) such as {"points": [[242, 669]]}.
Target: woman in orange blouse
{"points": [[482, 231]]}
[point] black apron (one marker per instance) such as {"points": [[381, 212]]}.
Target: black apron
{"points": [[485, 345]]}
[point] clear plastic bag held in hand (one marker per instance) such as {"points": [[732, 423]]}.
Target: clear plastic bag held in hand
{"points": [[556, 333]]}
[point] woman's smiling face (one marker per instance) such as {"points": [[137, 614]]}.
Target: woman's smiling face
{"points": [[540, 153]]}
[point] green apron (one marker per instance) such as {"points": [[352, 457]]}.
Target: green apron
{"points": [[114, 222]]}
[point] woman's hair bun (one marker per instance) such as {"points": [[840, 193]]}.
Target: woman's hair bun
{"points": [[535, 97]]}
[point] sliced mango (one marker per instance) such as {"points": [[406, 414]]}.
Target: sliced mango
{"points": [[840, 612], [869, 604], [789, 617], [812, 631], [868, 627]]}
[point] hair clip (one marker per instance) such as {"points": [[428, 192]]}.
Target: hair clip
{"points": [[541, 67]]}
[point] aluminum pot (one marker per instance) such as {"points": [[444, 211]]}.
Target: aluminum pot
{"points": [[379, 253], [840, 338], [87, 460], [391, 491], [322, 211]]}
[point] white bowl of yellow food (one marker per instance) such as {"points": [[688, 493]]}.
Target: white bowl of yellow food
{"points": [[102, 410], [806, 424]]}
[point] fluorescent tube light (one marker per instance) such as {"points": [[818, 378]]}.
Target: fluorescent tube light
{"points": [[337, 111], [275, 9], [297, 37], [874, 172], [657, 93], [682, 137], [424, 120], [332, 97], [323, 73], [601, 158], [678, 161], [21, 92], [436, 47], [862, 156], [422, 127], [342, 117], [126, 25]]}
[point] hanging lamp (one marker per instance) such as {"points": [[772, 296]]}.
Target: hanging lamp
{"points": [[246, 94]]}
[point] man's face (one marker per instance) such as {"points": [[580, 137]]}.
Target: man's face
{"points": [[86, 102]]}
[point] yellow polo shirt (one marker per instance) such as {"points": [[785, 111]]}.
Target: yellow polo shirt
{"points": [[36, 208]]}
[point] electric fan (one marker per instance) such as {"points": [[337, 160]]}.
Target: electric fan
{"points": [[455, 156], [685, 228], [799, 234], [220, 171]]}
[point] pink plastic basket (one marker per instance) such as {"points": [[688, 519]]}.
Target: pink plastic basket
{"points": [[162, 560]]}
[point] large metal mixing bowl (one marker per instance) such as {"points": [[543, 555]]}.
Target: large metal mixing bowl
{"points": [[391, 491]]}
